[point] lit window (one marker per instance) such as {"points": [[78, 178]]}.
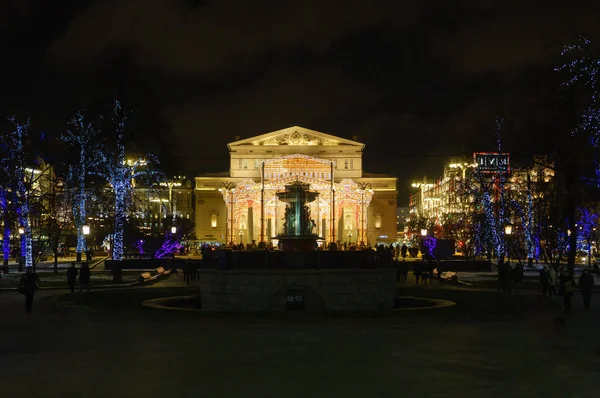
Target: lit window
{"points": [[239, 163], [245, 163], [256, 161], [351, 164], [377, 220], [346, 164], [213, 220]]}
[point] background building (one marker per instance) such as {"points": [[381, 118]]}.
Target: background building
{"points": [[452, 195]]}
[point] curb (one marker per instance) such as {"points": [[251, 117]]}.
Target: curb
{"points": [[156, 303], [438, 304], [92, 287]]}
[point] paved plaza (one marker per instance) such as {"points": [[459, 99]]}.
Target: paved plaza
{"points": [[106, 344]]}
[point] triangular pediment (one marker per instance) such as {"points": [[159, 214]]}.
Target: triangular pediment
{"points": [[296, 136]]}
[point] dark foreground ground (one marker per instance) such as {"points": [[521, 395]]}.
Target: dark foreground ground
{"points": [[105, 344]]}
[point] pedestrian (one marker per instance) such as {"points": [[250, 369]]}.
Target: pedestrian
{"points": [[517, 277], [404, 270], [72, 277], [501, 277], [28, 285], [187, 272], [417, 272], [552, 282], [506, 278], [586, 283], [567, 287], [84, 278], [544, 280], [398, 270]]}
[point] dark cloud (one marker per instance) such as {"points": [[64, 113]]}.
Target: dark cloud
{"points": [[417, 81], [219, 34]]}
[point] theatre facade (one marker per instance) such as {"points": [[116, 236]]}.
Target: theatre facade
{"points": [[241, 205]]}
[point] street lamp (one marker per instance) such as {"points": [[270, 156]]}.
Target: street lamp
{"points": [[508, 233], [241, 236], [85, 229], [173, 230], [21, 236], [424, 232], [228, 187], [170, 185], [364, 186]]}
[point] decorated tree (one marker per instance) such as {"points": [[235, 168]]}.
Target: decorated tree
{"points": [[120, 171], [24, 170], [7, 209], [79, 136], [579, 138]]}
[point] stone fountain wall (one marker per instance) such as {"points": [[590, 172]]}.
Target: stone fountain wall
{"points": [[322, 290]]}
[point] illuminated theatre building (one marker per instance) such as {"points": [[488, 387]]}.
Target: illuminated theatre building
{"points": [[241, 206]]}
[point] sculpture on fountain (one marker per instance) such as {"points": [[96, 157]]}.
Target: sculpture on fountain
{"points": [[298, 227]]}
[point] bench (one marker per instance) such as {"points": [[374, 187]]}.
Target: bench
{"points": [[450, 276], [147, 276], [163, 271]]}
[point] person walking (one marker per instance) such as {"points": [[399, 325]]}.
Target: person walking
{"points": [[187, 272], [424, 277], [28, 285], [72, 277], [404, 271], [567, 287], [84, 278], [552, 282], [517, 278], [586, 284], [544, 280], [417, 272]]}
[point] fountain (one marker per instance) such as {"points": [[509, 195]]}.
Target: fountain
{"points": [[298, 228]]}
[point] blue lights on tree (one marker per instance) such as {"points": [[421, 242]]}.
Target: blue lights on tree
{"points": [[79, 135], [23, 179], [583, 67], [120, 172], [6, 220]]}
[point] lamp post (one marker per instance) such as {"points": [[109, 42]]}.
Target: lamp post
{"points": [[424, 233], [21, 237], [170, 185], [349, 237], [508, 235], [241, 236], [85, 229], [590, 246], [363, 186], [423, 187], [228, 187], [173, 230]]}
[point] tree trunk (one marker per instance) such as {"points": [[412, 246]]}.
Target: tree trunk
{"points": [[120, 192], [56, 261]]}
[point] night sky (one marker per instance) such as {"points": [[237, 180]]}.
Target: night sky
{"points": [[416, 81]]}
